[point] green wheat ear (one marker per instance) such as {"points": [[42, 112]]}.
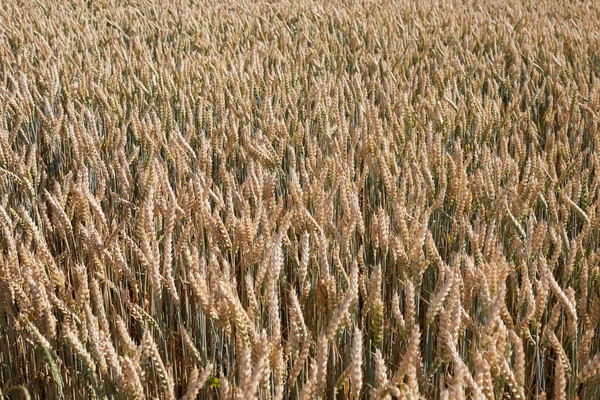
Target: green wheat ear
{"points": [[48, 354], [214, 382]]}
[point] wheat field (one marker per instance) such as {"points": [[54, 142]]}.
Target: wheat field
{"points": [[284, 199]]}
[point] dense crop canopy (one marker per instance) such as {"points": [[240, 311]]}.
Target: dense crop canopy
{"points": [[289, 199]]}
